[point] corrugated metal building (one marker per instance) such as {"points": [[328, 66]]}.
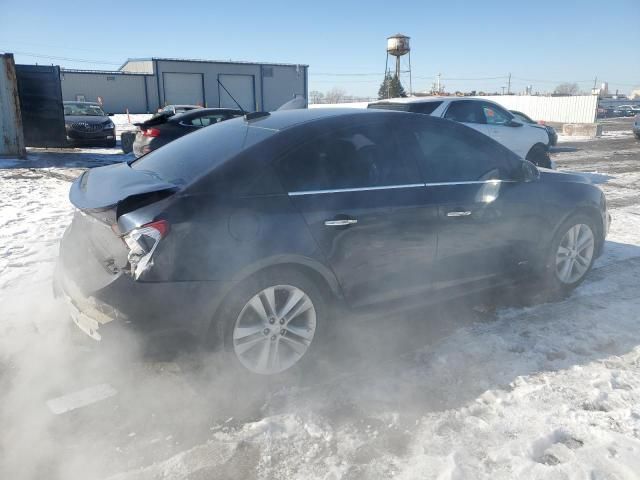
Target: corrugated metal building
{"points": [[144, 85]]}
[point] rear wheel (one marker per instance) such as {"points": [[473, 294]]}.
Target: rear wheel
{"points": [[539, 155], [571, 254], [273, 322], [126, 141]]}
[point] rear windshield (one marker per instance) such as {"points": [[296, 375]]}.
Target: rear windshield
{"points": [[426, 107], [188, 158]]}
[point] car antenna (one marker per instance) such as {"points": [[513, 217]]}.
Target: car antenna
{"points": [[229, 93]]}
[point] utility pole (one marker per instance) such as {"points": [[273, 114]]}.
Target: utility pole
{"points": [[503, 87], [438, 84], [509, 85]]}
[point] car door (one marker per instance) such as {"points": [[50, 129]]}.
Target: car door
{"points": [[366, 207], [489, 221], [469, 113], [515, 136]]}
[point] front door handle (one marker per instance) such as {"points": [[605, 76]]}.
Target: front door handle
{"points": [[341, 222], [458, 213]]}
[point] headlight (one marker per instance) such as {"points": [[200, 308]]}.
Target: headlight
{"points": [[108, 126]]}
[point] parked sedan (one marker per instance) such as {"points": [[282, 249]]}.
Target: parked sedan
{"points": [[165, 127], [553, 136], [526, 140], [246, 234], [87, 124]]}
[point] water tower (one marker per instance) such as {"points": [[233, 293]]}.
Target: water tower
{"points": [[398, 46]]}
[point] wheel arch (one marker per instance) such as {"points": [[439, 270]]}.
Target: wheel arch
{"points": [[593, 213], [320, 274], [537, 145]]}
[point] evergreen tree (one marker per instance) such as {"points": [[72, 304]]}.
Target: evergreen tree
{"points": [[391, 87]]}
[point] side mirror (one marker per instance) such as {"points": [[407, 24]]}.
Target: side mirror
{"points": [[513, 123], [528, 171]]}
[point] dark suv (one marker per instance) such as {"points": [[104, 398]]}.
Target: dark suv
{"points": [[245, 233]]}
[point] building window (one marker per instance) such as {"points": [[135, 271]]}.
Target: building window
{"points": [[267, 71]]}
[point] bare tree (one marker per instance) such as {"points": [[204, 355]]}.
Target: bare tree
{"points": [[316, 96], [567, 89], [335, 95]]}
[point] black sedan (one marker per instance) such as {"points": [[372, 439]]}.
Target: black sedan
{"points": [[553, 136], [165, 127], [87, 124], [246, 234]]}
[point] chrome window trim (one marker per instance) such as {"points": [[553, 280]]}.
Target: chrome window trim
{"points": [[391, 187], [361, 189]]}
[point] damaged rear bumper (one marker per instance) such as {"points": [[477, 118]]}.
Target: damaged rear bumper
{"points": [[144, 309]]}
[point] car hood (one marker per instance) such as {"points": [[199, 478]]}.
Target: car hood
{"points": [[104, 187], [92, 119], [547, 175]]}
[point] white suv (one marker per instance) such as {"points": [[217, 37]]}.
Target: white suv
{"points": [[527, 140]]}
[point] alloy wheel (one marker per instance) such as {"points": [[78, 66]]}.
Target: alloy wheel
{"points": [[274, 329], [574, 253]]}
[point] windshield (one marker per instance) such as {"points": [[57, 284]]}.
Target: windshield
{"points": [[84, 110]]}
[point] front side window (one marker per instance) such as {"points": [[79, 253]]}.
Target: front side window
{"points": [[494, 115], [356, 157], [465, 111], [447, 154]]}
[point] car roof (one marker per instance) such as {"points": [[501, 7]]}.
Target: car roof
{"points": [[69, 102], [416, 99]]}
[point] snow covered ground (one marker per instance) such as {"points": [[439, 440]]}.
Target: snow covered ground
{"points": [[542, 391]]}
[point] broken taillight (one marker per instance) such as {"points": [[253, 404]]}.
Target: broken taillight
{"points": [[142, 242], [151, 132]]}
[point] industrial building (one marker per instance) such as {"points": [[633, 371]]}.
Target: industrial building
{"points": [[143, 85]]}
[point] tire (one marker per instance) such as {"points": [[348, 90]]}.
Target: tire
{"points": [[539, 156], [126, 141], [244, 334], [577, 264]]}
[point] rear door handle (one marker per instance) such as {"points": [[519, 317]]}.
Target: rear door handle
{"points": [[341, 222], [458, 213]]}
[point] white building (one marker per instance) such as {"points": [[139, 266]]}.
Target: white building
{"points": [[146, 84]]}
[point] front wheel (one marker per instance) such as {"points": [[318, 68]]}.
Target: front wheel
{"points": [[571, 254], [273, 322], [539, 156]]}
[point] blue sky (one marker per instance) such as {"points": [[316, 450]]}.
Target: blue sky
{"points": [[541, 43]]}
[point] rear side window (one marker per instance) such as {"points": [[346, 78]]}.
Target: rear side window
{"points": [[449, 153], [427, 107], [208, 120], [357, 157], [189, 157], [465, 111]]}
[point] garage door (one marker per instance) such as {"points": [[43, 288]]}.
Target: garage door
{"points": [[183, 88], [241, 87]]}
